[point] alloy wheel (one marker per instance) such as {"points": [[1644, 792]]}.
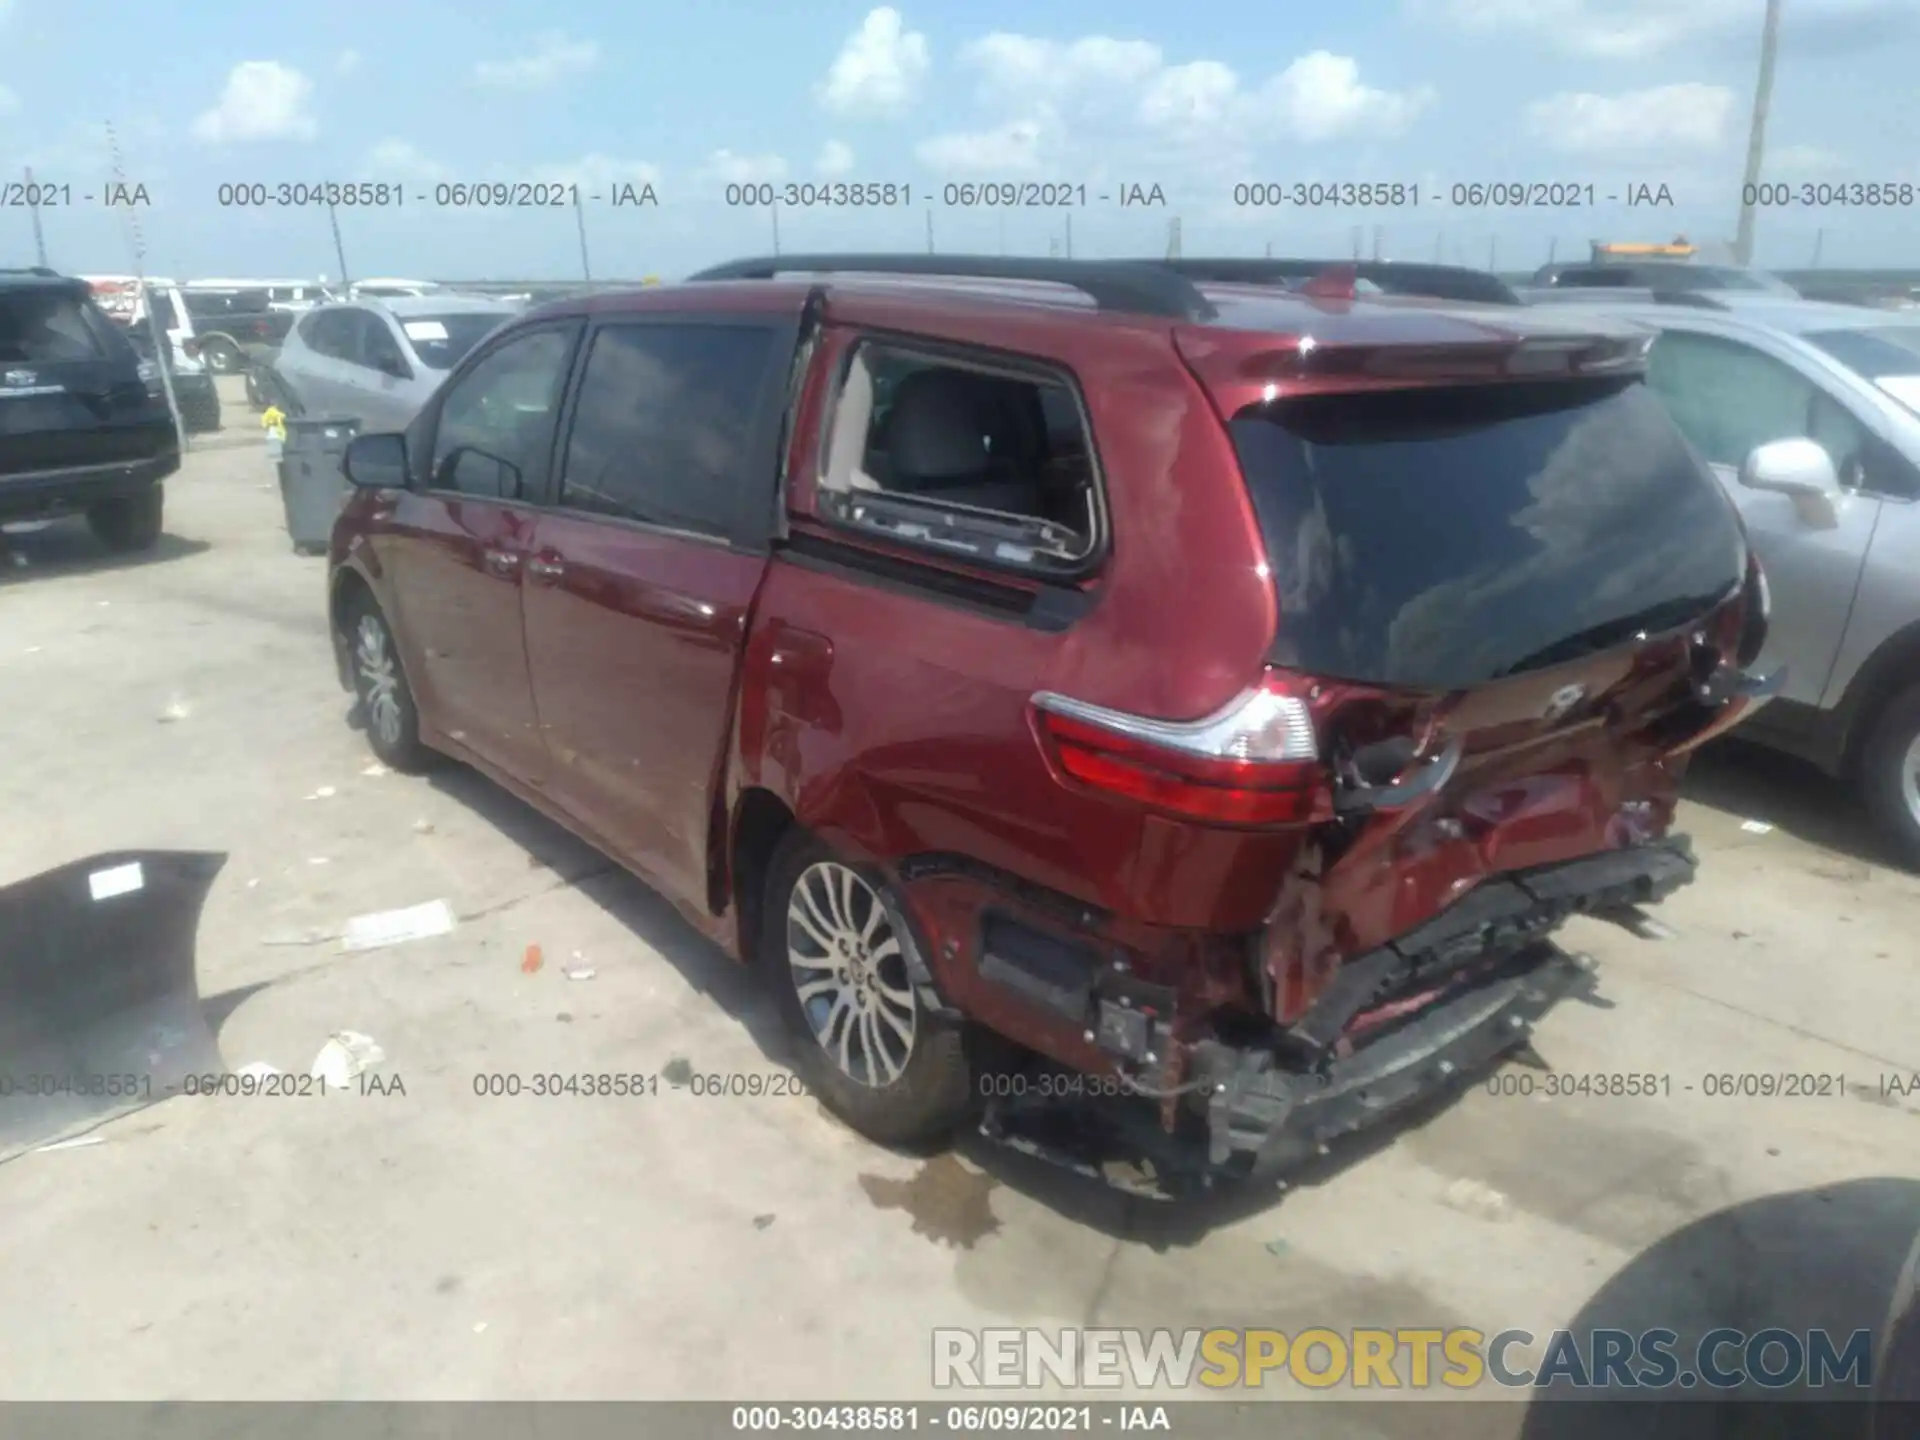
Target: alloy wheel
{"points": [[850, 973], [379, 679]]}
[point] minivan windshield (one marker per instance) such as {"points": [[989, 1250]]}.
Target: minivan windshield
{"points": [[1440, 538]]}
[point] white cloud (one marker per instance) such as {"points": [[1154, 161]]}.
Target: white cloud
{"points": [[1320, 97], [1799, 160], [1643, 29], [1691, 116], [347, 61], [263, 100], [553, 58], [402, 160], [1011, 148], [735, 169], [596, 173], [836, 158], [1072, 104], [878, 69]]}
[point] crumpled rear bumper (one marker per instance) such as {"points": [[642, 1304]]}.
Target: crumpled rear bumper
{"points": [[1490, 972]]}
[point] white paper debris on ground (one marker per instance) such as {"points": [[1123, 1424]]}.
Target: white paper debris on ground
{"points": [[423, 827], [116, 880], [395, 927], [580, 972], [318, 860], [33, 649], [325, 792], [1473, 1197], [1756, 827], [258, 1070], [479, 1327], [346, 1056], [177, 709], [79, 1142], [375, 769], [252, 883]]}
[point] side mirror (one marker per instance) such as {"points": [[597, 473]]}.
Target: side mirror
{"points": [[1801, 470], [376, 462]]}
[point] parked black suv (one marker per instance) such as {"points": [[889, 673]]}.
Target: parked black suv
{"points": [[84, 425]]}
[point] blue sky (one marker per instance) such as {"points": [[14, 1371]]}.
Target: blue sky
{"points": [[690, 98]]}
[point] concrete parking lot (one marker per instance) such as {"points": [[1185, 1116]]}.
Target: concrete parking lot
{"points": [[435, 1244]]}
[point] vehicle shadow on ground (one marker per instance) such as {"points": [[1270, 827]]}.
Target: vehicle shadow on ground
{"points": [[653, 920], [1750, 782], [67, 547], [1823, 1259]]}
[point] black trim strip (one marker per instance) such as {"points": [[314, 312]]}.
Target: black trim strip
{"points": [[1052, 609]]}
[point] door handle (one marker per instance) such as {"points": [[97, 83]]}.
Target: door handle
{"points": [[541, 569], [503, 563]]}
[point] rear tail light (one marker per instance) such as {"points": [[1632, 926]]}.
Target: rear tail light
{"points": [[1252, 762]]}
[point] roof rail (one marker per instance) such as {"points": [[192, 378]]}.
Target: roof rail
{"points": [[30, 270], [1139, 287], [1396, 277]]}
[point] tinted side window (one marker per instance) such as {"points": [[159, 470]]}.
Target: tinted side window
{"points": [[662, 423], [378, 349], [323, 333], [1728, 398], [496, 424]]}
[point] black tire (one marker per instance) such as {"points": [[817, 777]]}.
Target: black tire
{"points": [[925, 1084], [222, 355], [1887, 779], [128, 523], [394, 736]]}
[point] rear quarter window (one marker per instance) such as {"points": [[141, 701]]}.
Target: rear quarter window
{"points": [[1440, 538]]}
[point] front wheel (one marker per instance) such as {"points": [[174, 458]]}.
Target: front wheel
{"points": [[128, 523], [1890, 774], [849, 984], [385, 700]]}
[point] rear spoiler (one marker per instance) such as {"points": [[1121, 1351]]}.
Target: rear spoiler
{"points": [[1395, 277]]}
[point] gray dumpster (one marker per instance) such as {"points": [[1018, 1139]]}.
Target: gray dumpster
{"points": [[312, 484]]}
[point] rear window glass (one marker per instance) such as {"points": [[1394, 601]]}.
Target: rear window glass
{"points": [[46, 327], [442, 341], [1440, 538]]}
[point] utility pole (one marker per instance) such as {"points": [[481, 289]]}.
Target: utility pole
{"points": [[580, 223], [1356, 242], [1553, 248], [162, 337], [773, 212], [39, 239], [1069, 235], [1173, 238], [1269, 250], [1819, 242], [930, 230], [1379, 233], [1757, 135], [339, 250]]}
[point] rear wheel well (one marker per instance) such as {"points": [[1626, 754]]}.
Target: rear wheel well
{"points": [[762, 820], [349, 588], [1887, 673]]}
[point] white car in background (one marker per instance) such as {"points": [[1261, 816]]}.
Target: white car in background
{"points": [[391, 289], [377, 361], [281, 294]]}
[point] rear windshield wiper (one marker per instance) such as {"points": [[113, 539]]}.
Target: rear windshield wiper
{"points": [[1595, 638]]}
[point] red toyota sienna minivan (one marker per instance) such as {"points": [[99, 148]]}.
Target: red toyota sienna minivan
{"points": [[1124, 709]]}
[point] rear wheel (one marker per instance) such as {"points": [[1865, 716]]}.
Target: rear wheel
{"points": [[128, 523], [1890, 774], [848, 980], [380, 685]]}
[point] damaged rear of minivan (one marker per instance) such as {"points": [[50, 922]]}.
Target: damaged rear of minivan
{"points": [[1511, 603]]}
